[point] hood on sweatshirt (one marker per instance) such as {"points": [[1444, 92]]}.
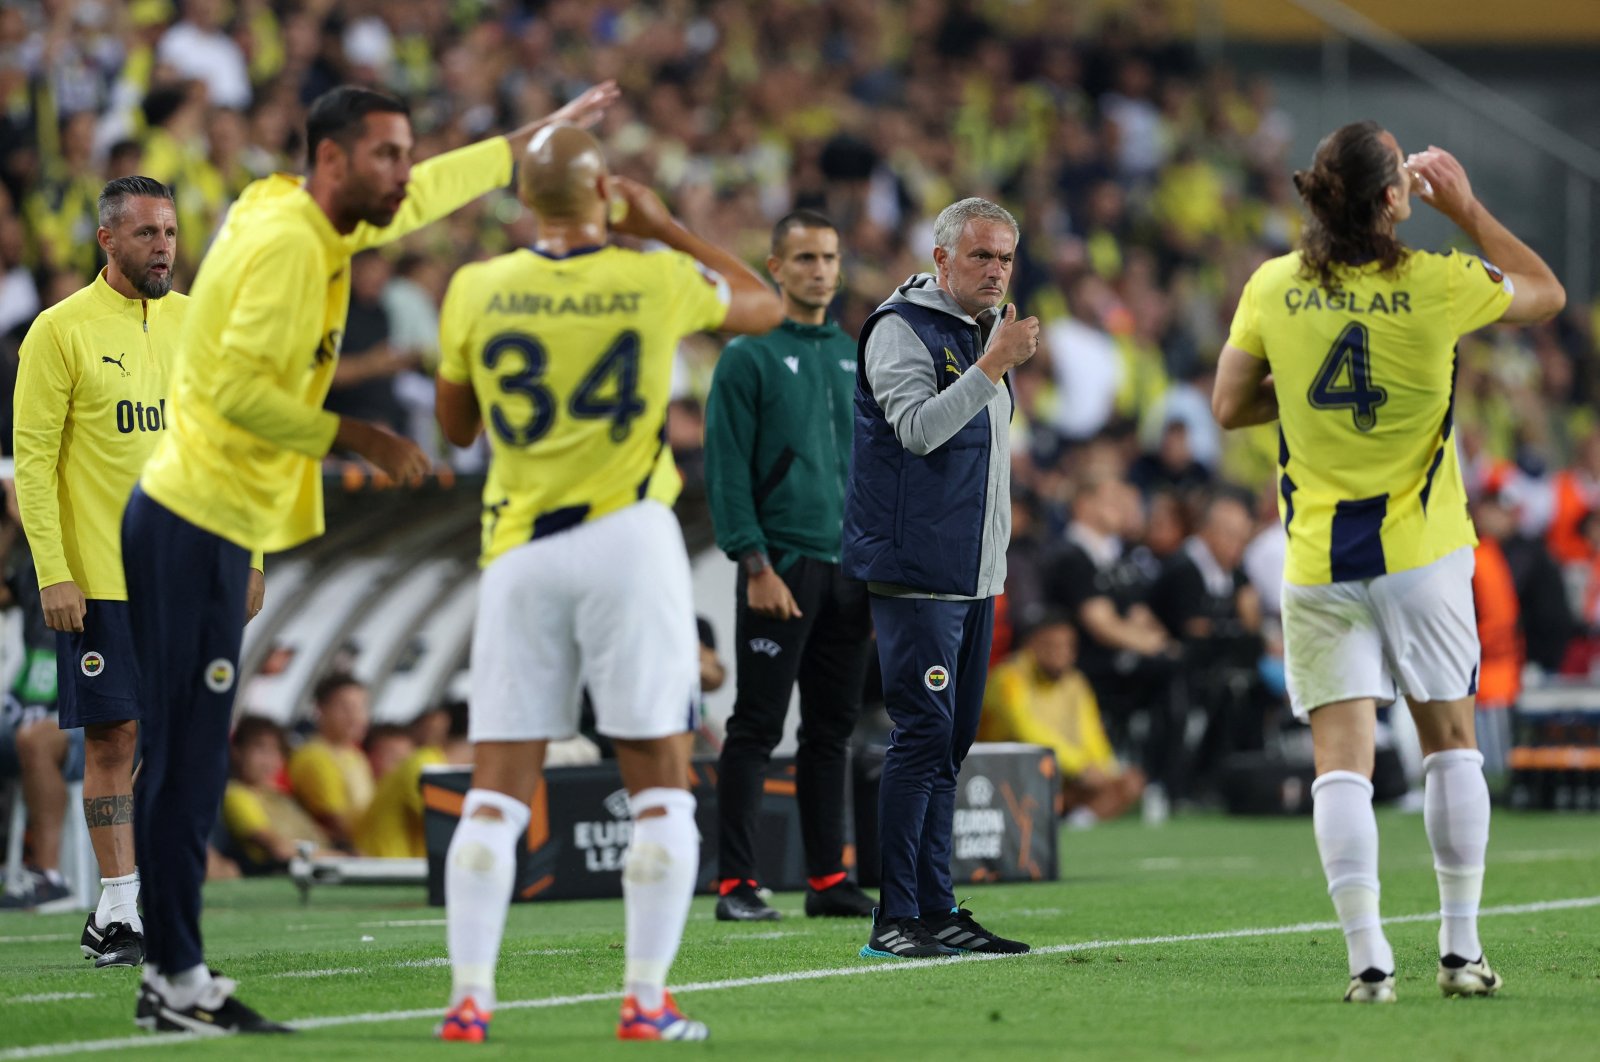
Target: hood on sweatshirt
{"points": [[922, 289]]}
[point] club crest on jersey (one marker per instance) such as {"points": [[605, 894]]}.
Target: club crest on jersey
{"points": [[219, 675], [765, 646], [328, 349], [92, 664], [936, 678]]}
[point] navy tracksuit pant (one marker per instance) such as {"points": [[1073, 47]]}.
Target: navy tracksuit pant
{"points": [[186, 598], [935, 658]]}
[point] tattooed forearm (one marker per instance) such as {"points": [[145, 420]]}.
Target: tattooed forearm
{"points": [[108, 810]]}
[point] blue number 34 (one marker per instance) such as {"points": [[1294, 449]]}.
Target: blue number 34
{"points": [[1345, 379], [610, 391]]}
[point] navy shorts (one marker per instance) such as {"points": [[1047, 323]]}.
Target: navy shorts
{"points": [[97, 676]]}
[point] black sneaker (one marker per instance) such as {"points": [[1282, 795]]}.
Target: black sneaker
{"points": [[144, 1011], [34, 890], [901, 938], [217, 1012], [960, 931], [744, 904], [117, 944], [844, 900]]}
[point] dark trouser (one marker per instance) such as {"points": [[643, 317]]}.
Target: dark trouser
{"points": [[935, 657], [1147, 684], [186, 593], [827, 650]]}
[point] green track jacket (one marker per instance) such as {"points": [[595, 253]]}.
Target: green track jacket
{"points": [[778, 426]]}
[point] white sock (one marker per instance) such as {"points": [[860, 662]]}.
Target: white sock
{"points": [[1347, 837], [1455, 809], [119, 902], [657, 885], [182, 990], [479, 871]]}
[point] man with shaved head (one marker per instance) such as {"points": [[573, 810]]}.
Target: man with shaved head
{"points": [[563, 353]]}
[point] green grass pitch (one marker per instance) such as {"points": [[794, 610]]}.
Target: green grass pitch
{"points": [[1121, 975]]}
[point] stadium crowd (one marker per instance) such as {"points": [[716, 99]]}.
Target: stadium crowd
{"points": [[1146, 557]]}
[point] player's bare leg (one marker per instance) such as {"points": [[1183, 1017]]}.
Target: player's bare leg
{"points": [[41, 751], [114, 934], [480, 872], [1347, 838], [1456, 813], [657, 883]]}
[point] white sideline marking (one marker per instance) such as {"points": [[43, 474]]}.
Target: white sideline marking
{"points": [[345, 971], [882, 967], [398, 923], [51, 997], [43, 938], [1544, 855]]}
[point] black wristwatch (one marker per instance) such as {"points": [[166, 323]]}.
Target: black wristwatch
{"points": [[754, 563]]}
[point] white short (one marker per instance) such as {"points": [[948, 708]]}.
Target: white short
{"points": [[606, 605], [1413, 633]]}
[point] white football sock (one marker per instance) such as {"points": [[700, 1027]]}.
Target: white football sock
{"points": [[119, 902], [1455, 810], [657, 885], [182, 990], [479, 872], [1347, 837]]}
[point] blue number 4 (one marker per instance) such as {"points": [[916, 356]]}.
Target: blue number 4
{"points": [[618, 371], [610, 391], [1359, 395]]}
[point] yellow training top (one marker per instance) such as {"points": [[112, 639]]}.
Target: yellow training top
{"points": [[1369, 481], [247, 428], [571, 362], [89, 407], [392, 826]]}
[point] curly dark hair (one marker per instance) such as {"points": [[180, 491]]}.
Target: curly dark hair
{"points": [[1346, 192]]}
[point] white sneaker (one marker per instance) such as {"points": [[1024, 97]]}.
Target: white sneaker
{"points": [[1371, 986], [1457, 977]]}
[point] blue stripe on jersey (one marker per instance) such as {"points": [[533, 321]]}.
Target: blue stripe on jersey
{"points": [[1286, 488], [1355, 549], [1472, 690], [1283, 450], [1427, 484], [1444, 429], [558, 520]]}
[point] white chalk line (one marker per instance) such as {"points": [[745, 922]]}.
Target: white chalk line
{"points": [[884, 967], [406, 964]]}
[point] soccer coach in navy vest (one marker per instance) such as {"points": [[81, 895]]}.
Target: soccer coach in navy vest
{"points": [[927, 519]]}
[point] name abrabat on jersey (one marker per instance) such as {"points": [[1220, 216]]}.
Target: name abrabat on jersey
{"points": [[589, 304], [1297, 299]]}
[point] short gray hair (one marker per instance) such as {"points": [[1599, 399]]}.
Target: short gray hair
{"points": [[115, 195], [952, 220]]}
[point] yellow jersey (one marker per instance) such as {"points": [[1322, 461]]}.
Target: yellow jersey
{"points": [[1020, 704], [89, 407], [246, 431], [392, 826], [248, 811], [1369, 480], [330, 780], [571, 362]]}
